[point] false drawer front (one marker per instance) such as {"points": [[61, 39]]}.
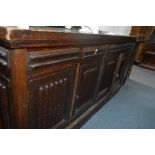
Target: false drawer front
{"points": [[51, 57], [89, 52], [118, 46], [114, 51], [113, 54]]}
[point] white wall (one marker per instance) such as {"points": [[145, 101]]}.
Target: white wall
{"points": [[122, 30]]}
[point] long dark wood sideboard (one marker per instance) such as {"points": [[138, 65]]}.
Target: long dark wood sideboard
{"points": [[58, 79]]}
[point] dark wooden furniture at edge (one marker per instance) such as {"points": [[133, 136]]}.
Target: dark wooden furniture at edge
{"points": [[56, 79], [148, 61], [142, 34], [145, 54]]}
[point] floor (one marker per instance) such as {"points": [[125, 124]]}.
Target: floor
{"points": [[133, 107]]}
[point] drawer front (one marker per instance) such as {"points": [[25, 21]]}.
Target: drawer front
{"points": [[49, 57], [47, 61], [95, 51]]}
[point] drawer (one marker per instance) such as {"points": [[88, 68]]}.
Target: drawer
{"points": [[89, 52], [113, 55], [120, 46], [43, 58], [114, 51]]}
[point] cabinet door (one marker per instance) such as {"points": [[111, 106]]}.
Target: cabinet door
{"points": [[50, 99], [108, 69], [52, 80], [86, 86], [88, 77], [129, 62], [121, 66]]}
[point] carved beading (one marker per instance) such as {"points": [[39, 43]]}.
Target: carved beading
{"points": [[51, 100], [91, 70], [3, 52], [3, 56]]}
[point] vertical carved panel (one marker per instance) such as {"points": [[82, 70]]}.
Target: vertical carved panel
{"points": [[124, 64], [107, 76], [3, 56], [108, 73], [86, 87], [5, 106], [120, 67], [51, 100], [88, 80], [130, 62]]}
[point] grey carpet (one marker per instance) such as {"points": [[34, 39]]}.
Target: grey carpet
{"points": [[133, 107]]}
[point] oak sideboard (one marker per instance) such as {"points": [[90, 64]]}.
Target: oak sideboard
{"points": [[60, 79]]}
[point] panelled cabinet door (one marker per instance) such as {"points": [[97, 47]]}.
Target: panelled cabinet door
{"points": [[104, 83], [51, 98], [87, 81], [86, 86], [127, 63], [110, 63], [121, 67]]}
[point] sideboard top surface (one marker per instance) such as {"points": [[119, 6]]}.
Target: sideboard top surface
{"points": [[15, 37]]}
